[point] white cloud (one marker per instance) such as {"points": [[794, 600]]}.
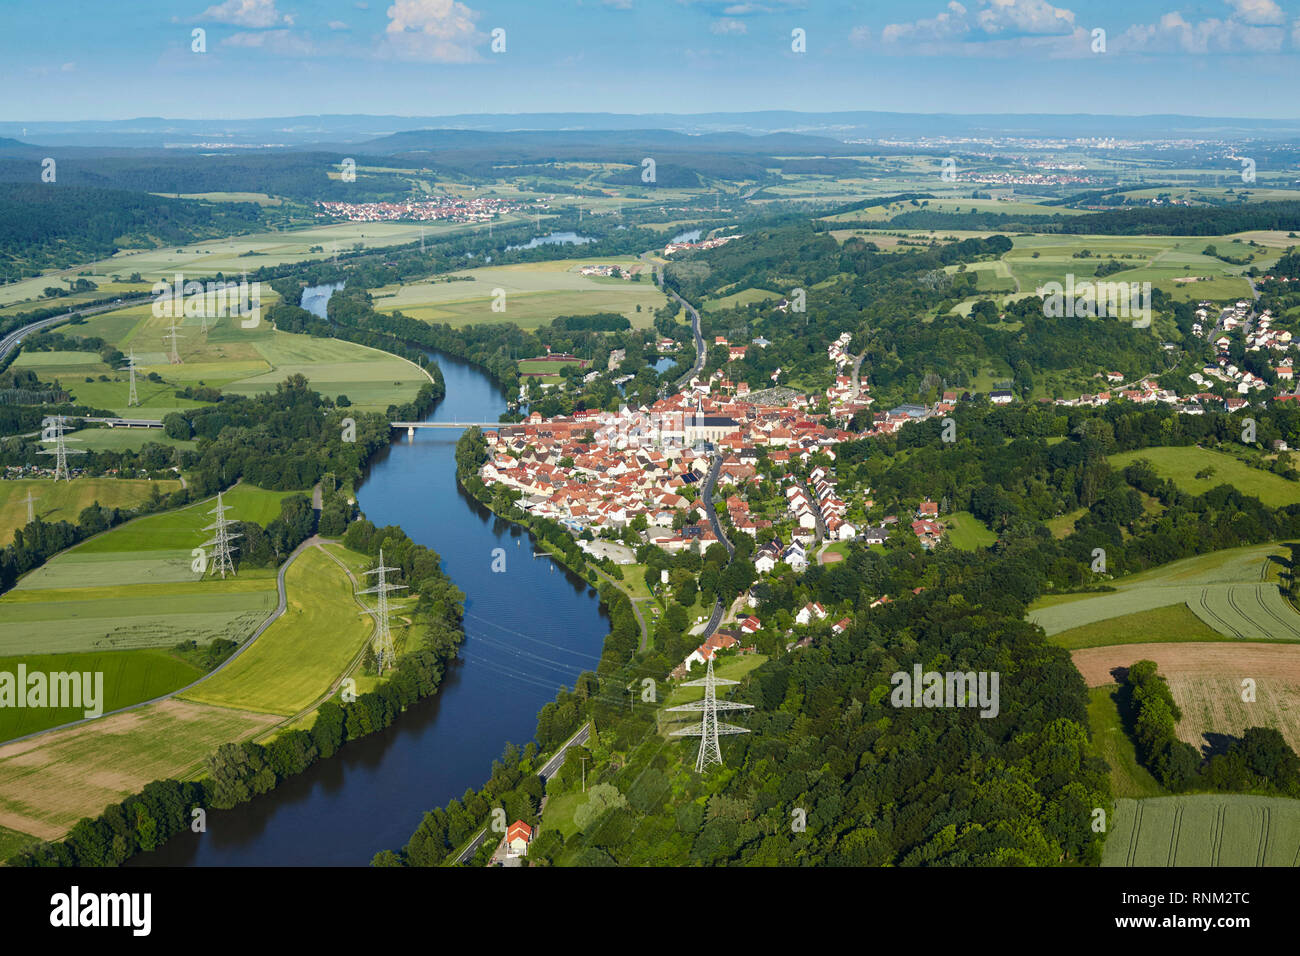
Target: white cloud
{"points": [[1173, 33], [727, 25], [245, 13], [438, 30], [1035, 17], [68, 67], [618, 4], [945, 26], [1259, 12], [280, 42], [338, 25]]}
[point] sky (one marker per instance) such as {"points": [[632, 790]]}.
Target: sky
{"points": [[87, 59]]}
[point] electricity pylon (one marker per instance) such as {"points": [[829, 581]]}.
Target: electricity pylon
{"points": [[172, 335], [31, 510], [130, 367], [221, 542], [383, 640], [53, 428], [710, 728]]}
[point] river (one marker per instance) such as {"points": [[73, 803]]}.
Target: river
{"points": [[528, 630]]}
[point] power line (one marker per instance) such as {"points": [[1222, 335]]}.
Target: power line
{"points": [[383, 640], [222, 541], [710, 728]]}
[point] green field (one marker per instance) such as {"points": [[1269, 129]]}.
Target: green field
{"points": [[967, 532], [535, 293], [297, 659], [1163, 624], [129, 677], [1233, 592], [1128, 778], [1204, 830], [1182, 464], [64, 500], [237, 360], [134, 587]]}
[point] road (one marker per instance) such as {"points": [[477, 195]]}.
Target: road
{"points": [[274, 616], [706, 496], [549, 769], [12, 340], [700, 353]]}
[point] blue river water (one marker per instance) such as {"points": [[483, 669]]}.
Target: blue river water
{"points": [[529, 630]]}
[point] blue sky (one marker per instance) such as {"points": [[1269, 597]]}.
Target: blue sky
{"points": [[65, 60]]}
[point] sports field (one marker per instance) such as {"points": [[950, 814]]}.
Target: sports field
{"points": [[1233, 592], [129, 677], [535, 293], [50, 782], [299, 657], [134, 586], [64, 500], [1204, 830], [1182, 464]]}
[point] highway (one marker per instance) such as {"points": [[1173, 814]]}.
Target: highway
{"points": [[11, 341]]}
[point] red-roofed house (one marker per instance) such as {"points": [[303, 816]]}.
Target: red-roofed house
{"points": [[518, 837]]}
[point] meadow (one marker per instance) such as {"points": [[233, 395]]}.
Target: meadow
{"points": [[297, 659], [967, 532], [1181, 464], [1128, 778], [133, 586], [129, 678], [535, 293], [1234, 592], [1204, 830], [238, 360], [64, 500]]}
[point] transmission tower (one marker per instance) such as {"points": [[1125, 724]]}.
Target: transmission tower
{"points": [[221, 541], [172, 335], [383, 640], [130, 367], [710, 728], [54, 426], [31, 510]]}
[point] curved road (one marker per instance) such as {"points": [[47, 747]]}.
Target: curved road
{"points": [[280, 609], [14, 338], [706, 496]]}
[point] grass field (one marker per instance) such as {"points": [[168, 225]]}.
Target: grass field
{"points": [[64, 500], [231, 256], [1204, 830], [1128, 778], [237, 360], [134, 587], [129, 677], [535, 293], [1160, 625], [50, 782], [1206, 681], [1182, 464], [967, 532], [1233, 592], [298, 658]]}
